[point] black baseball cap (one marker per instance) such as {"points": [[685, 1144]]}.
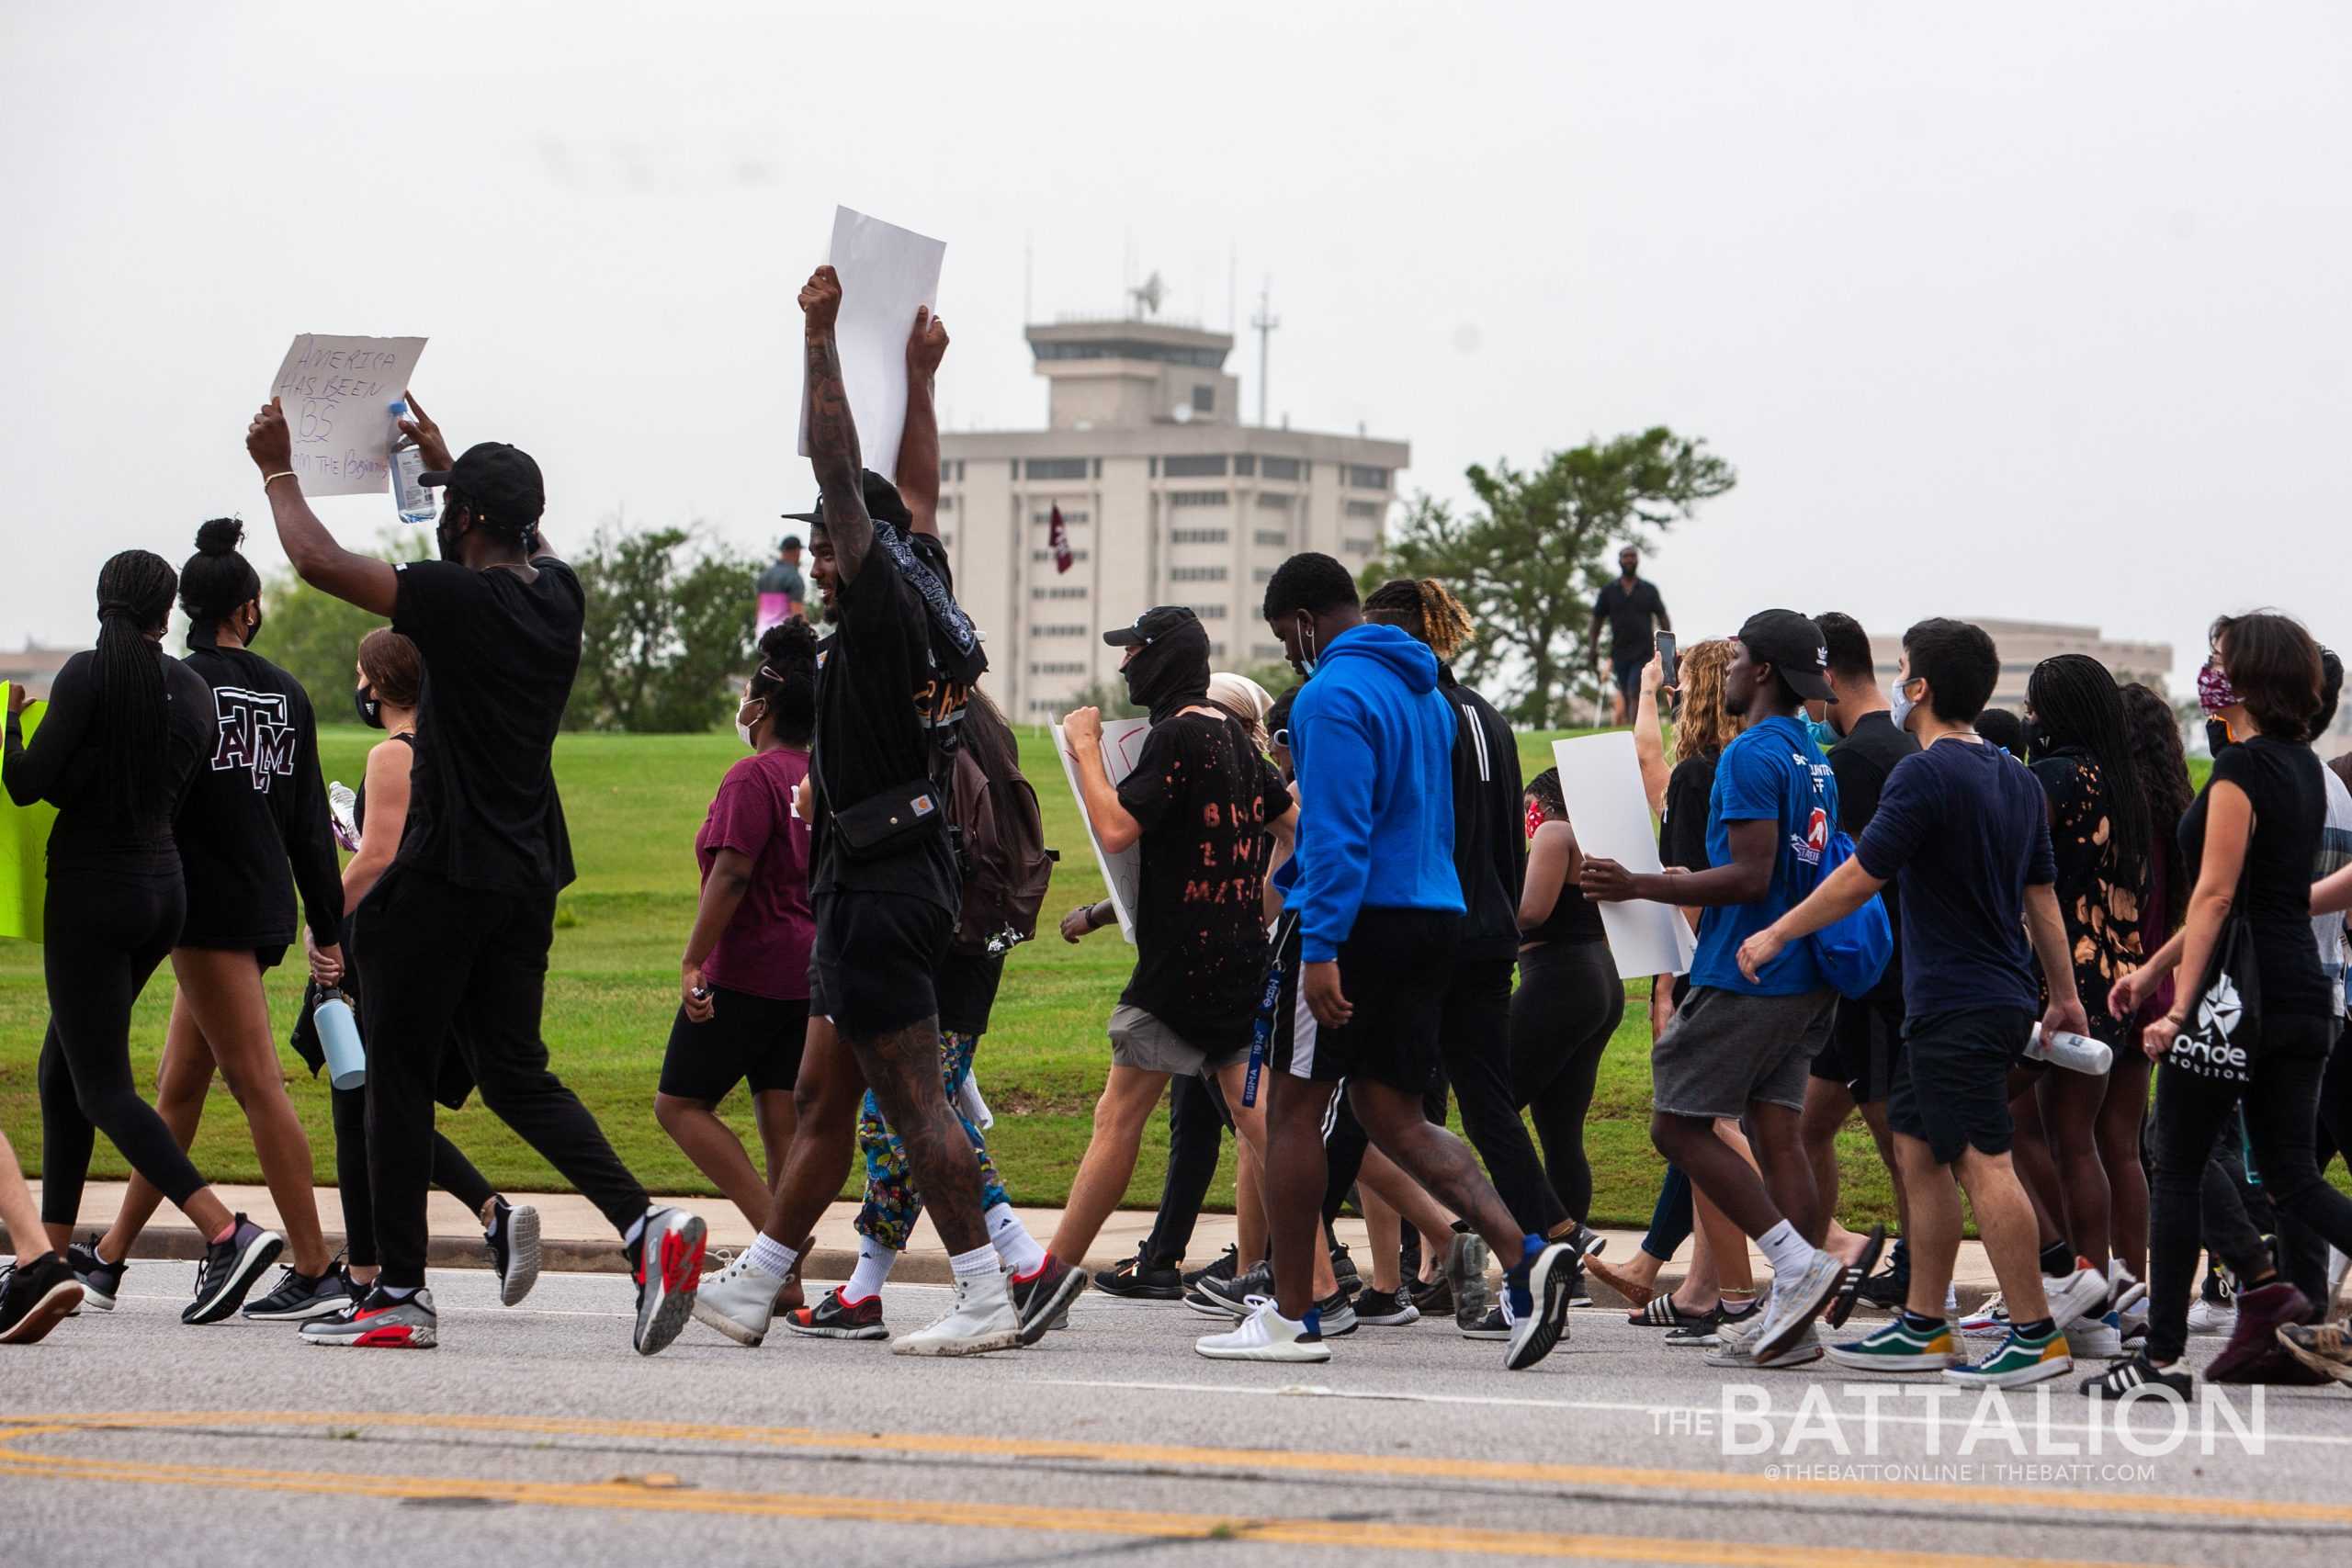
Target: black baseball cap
{"points": [[500, 481], [790, 542], [1792, 645], [1151, 626], [882, 503]]}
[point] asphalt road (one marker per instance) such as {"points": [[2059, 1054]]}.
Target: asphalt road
{"points": [[534, 1435]]}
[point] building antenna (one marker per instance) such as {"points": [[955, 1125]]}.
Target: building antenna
{"points": [[1264, 322]]}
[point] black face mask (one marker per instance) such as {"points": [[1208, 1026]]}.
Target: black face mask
{"points": [[2217, 736], [253, 632], [372, 712], [2036, 741], [447, 536], [1170, 675]]}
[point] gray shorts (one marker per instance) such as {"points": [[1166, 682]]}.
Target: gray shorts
{"points": [[1140, 1041], [1726, 1048]]}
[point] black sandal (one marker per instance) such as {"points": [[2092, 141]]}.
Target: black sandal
{"points": [[1661, 1313], [1850, 1284]]}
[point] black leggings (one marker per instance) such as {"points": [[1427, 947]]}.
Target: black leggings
{"points": [[452, 1172], [2281, 1108], [1196, 1128], [1482, 1062], [107, 928], [1569, 1003]]}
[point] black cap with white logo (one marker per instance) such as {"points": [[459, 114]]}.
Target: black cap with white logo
{"points": [[1792, 645], [1150, 626]]}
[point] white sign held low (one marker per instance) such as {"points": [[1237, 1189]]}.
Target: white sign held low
{"points": [[1122, 873], [1601, 782], [886, 272], [337, 394]]}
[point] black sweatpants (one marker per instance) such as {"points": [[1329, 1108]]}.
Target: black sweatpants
{"points": [[1197, 1122], [452, 1172], [2282, 1107], [1569, 1003], [107, 928], [442, 965], [1482, 1052]]}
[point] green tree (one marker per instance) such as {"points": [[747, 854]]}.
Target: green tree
{"points": [[669, 633], [314, 637], [1533, 549]]}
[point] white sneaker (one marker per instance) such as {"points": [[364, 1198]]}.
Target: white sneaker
{"points": [[982, 1319], [1736, 1347], [1796, 1302], [2212, 1317], [739, 1300], [2098, 1336], [1265, 1336], [2337, 1263], [1952, 1302], [2075, 1296]]}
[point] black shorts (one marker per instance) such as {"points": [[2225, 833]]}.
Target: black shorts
{"points": [[1864, 1040], [876, 959], [1395, 968], [749, 1039], [1951, 1080], [1629, 675]]}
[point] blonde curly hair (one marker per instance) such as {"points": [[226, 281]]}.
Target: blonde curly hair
{"points": [[1701, 728]]}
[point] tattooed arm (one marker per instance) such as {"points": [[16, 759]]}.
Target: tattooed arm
{"points": [[832, 434]]}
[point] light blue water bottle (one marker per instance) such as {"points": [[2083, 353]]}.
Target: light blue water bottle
{"points": [[414, 502], [339, 1037]]}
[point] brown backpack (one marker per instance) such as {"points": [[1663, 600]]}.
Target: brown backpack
{"points": [[1000, 842]]}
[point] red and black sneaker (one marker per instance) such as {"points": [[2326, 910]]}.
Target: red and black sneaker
{"points": [[667, 1261], [834, 1319], [380, 1322], [1042, 1297]]}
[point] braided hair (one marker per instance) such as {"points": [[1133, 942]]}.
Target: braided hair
{"points": [[216, 579], [2075, 699], [1543, 791], [1426, 611], [786, 679], [135, 592]]}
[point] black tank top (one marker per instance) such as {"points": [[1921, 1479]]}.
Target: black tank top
{"points": [[360, 799], [1574, 919]]}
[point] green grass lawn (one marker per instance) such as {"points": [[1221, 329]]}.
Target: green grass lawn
{"points": [[634, 803]]}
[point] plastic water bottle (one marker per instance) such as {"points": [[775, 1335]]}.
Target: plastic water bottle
{"points": [[2075, 1053], [414, 502], [339, 1035]]}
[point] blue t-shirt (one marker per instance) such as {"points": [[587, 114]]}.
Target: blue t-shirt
{"points": [[1773, 773], [1961, 825]]}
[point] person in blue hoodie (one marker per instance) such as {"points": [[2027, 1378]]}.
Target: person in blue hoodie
{"points": [[1377, 914]]}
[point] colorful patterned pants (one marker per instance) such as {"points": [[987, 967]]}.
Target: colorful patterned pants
{"points": [[891, 1201]]}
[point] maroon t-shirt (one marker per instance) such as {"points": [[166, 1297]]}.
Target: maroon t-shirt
{"points": [[764, 949]]}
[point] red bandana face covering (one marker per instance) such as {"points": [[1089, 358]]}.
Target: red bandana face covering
{"points": [[1534, 818]]}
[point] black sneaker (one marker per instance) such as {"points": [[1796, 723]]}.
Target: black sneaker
{"points": [[229, 1270], [2137, 1371], [1230, 1298], [1344, 1272], [1889, 1288], [832, 1318], [300, 1297], [1041, 1299], [101, 1282], [1338, 1314], [1492, 1326], [1387, 1309], [36, 1298], [1434, 1297], [1142, 1279], [1224, 1267], [512, 1239]]}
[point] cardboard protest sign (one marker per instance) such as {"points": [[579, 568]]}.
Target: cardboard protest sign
{"points": [[1601, 782], [885, 272], [24, 847], [337, 394], [1122, 873]]}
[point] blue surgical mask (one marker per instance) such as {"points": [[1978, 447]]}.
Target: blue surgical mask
{"points": [[1823, 735], [1899, 705]]}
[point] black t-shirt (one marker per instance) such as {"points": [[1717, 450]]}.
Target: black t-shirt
{"points": [[500, 655], [259, 807], [66, 765], [1489, 831], [966, 984], [1632, 614], [1203, 797], [1860, 761], [2290, 802], [1682, 824], [878, 697]]}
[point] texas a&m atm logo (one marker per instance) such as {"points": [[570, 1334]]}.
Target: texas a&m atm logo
{"points": [[254, 735]]}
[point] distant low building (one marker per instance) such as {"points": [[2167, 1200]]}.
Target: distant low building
{"points": [[33, 667], [2024, 643]]}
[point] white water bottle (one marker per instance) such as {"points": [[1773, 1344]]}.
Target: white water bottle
{"points": [[339, 1037], [415, 503], [2075, 1053]]}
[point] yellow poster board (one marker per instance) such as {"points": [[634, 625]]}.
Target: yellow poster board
{"points": [[24, 848]]}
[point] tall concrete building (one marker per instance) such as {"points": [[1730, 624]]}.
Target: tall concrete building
{"points": [[2024, 643], [1167, 497]]}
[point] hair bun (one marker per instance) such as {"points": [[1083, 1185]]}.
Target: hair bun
{"points": [[221, 536], [787, 637]]}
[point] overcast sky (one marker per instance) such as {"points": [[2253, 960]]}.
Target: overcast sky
{"points": [[2034, 310]]}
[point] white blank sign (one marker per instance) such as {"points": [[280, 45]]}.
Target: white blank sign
{"points": [[1601, 782], [1122, 873], [885, 272]]}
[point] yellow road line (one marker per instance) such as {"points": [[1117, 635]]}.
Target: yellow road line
{"points": [[1464, 1540], [2156, 1506]]}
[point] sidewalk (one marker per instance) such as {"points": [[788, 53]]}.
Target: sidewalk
{"points": [[574, 1236]]}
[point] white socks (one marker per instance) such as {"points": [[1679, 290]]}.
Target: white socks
{"points": [[874, 1261], [772, 1256], [1012, 1240], [1785, 1250], [977, 1264]]}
